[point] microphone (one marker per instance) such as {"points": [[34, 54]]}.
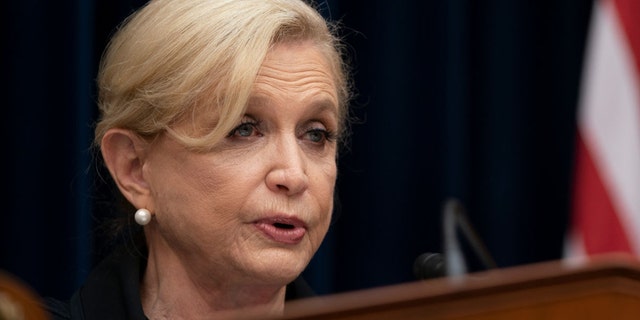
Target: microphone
{"points": [[430, 265]]}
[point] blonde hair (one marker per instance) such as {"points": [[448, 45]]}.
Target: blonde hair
{"points": [[175, 58]]}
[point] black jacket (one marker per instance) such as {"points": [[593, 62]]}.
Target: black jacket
{"points": [[112, 291]]}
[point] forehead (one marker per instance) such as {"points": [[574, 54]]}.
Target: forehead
{"points": [[300, 68]]}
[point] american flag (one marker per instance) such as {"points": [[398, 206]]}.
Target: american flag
{"points": [[606, 195]]}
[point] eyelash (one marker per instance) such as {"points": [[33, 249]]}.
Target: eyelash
{"points": [[252, 123], [327, 135]]}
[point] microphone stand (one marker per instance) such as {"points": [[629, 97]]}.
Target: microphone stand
{"points": [[455, 265]]}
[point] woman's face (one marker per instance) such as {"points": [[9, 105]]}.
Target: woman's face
{"points": [[257, 207]]}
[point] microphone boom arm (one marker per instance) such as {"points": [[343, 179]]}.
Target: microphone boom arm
{"points": [[454, 216]]}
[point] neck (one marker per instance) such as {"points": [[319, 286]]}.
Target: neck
{"points": [[174, 289]]}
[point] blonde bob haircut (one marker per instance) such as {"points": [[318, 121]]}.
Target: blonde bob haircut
{"points": [[178, 60]]}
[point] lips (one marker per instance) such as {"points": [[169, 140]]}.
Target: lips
{"points": [[284, 230]]}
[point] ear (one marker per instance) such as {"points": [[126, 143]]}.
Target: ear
{"points": [[124, 153]]}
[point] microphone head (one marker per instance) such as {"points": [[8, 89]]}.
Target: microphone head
{"points": [[428, 266]]}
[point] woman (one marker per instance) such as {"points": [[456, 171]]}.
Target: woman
{"points": [[220, 125]]}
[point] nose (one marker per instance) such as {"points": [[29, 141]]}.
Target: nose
{"points": [[288, 173]]}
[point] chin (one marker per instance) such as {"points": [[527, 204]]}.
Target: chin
{"points": [[283, 267]]}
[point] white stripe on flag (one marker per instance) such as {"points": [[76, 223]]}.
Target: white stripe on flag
{"points": [[610, 114]]}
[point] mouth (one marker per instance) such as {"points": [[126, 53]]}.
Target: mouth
{"points": [[283, 230]]}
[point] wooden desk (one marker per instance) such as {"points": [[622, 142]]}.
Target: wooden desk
{"points": [[607, 287]]}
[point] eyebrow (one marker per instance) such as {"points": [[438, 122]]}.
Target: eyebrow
{"points": [[325, 105], [321, 105]]}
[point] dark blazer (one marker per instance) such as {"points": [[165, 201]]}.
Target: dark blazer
{"points": [[112, 290]]}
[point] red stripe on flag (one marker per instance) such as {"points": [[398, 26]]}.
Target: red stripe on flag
{"points": [[594, 215], [628, 11]]}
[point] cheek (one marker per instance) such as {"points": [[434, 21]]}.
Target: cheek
{"points": [[192, 188], [325, 193], [326, 181], [198, 209]]}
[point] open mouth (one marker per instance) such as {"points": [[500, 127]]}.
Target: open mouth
{"points": [[282, 230], [283, 225]]}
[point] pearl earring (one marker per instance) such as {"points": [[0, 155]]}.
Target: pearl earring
{"points": [[143, 216]]}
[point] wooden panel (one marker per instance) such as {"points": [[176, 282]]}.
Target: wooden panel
{"points": [[18, 300], [607, 287]]}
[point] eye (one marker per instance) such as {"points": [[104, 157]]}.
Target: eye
{"points": [[319, 136], [246, 129]]}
